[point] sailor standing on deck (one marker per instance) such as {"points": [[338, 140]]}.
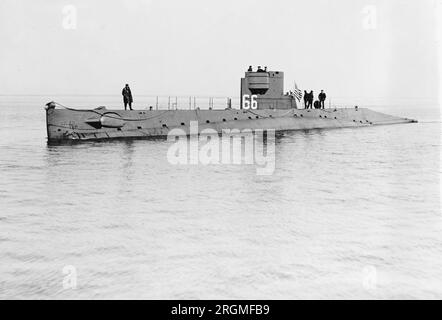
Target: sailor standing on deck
{"points": [[305, 99], [127, 97], [310, 99], [321, 98]]}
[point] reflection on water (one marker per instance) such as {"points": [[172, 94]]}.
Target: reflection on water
{"points": [[351, 213]]}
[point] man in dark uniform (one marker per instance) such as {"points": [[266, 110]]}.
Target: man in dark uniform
{"points": [[127, 97], [310, 99], [305, 99], [321, 98]]}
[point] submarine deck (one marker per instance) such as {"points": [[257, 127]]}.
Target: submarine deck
{"points": [[97, 124]]}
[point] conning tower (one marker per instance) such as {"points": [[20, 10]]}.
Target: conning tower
{"points": [[268, 86]]}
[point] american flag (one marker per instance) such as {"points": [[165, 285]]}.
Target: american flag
{"points": [[297, 93]]}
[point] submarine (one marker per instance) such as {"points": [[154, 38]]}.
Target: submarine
{"points": [[263, 106]]}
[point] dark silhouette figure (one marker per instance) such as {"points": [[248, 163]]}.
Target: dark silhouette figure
{"points": [[260, 69], [250, 69], [306, 99], [321, 98], [310, 100], [127, 97]]}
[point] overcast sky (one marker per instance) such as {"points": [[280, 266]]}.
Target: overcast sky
{"points": [[350, 48]]}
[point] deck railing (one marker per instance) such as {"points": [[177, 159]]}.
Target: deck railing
{"points": [[185, 102]]}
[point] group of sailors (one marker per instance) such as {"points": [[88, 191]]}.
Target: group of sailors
{"points": [[318, 104], [250, 69]]}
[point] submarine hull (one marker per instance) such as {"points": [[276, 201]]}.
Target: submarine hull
{"points": [[98, 124]]}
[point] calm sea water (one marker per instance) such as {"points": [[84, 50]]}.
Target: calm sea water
{"points": [[348, 213]]}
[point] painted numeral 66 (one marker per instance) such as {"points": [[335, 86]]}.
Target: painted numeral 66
{"points": [[249, 101]]}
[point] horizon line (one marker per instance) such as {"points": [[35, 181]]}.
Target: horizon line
{"points": [[436, 100]]}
